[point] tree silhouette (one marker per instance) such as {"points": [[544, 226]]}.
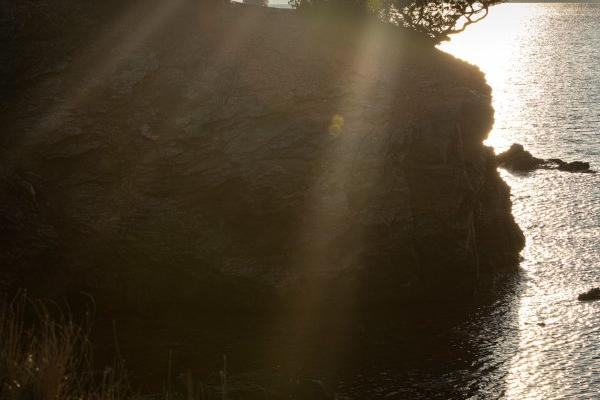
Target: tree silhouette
{"points": [[435, 19]]}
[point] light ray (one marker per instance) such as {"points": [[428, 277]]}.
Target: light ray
{"points": [[328, 203], [103, 57]]}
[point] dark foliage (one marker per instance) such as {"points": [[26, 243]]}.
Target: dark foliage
{"points": [[435, 19]]}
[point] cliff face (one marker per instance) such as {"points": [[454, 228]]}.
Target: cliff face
{"points": [[173, 151]]}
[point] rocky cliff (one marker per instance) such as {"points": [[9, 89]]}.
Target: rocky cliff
{"points": [[160, 152]]}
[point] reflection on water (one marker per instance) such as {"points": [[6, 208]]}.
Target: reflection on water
{"points": [[543, 63]]}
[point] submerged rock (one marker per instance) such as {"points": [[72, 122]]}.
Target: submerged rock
{"points": [[592, 294], [517, 159]]}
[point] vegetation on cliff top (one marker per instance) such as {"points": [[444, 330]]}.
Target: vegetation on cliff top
{"points": [[435, 19]]}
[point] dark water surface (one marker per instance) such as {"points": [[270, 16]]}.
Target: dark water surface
{"points": [[425, 351], [535, 341]]}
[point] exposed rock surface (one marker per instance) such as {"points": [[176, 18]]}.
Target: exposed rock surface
{"points": [[169, 152], [516, 158]]}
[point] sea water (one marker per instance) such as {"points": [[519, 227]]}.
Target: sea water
{"points": [[543, 64]]}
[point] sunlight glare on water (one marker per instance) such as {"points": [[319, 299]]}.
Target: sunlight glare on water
{"points": [[495, 45], [543, 64]]}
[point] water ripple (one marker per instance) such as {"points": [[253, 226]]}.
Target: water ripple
{"points": [[547, 97]]}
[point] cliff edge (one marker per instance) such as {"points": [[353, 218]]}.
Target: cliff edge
{"points": [[173, 152]]}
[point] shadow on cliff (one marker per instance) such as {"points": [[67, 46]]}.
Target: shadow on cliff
{"points": [[185, 151], [242, 181]]}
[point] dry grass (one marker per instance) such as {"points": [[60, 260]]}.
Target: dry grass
{"points": [[45, 355]]}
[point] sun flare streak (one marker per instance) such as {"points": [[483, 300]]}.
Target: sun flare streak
{"points": [[97, 66]]}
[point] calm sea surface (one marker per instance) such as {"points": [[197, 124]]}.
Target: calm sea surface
{"points": [[543, 63]]}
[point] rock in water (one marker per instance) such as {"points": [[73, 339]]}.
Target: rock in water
{"points": [[592, 294], [225, 156], [517, 159], [575, 166]]}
